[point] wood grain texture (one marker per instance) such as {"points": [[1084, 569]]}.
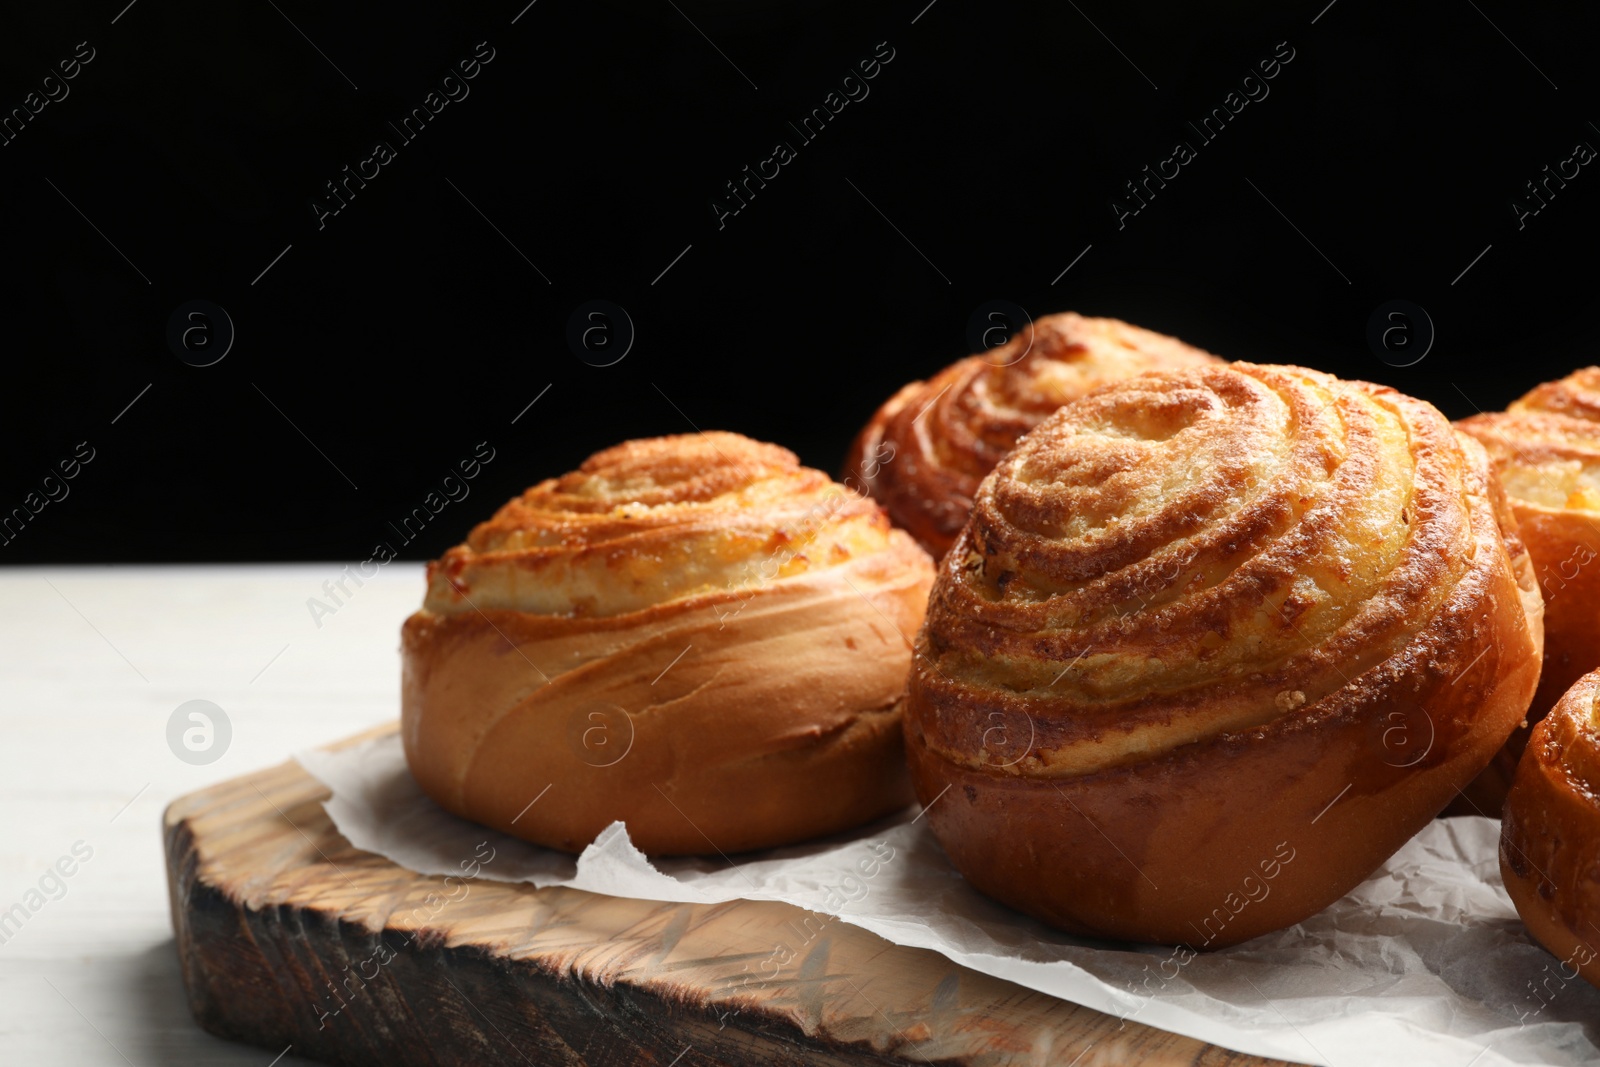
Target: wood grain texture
{"points": [[287, 935]]}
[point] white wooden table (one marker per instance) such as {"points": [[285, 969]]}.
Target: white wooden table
{"points": [[93, 662]]}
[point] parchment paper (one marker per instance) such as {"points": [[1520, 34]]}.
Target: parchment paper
{"points": [[1425, 962]]}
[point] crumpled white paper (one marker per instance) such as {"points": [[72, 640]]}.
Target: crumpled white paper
{"points": [[1425, 962]]}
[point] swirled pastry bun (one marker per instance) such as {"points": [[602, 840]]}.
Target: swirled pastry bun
{"points": [[1213, 645], [695, 635], [1550, 834], [925, 450], [1546, 449]]}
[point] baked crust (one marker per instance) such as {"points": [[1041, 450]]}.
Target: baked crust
{"points": [[1204, 619], [1550, 835], [923, 453], [1546, 450], [695, 635]]}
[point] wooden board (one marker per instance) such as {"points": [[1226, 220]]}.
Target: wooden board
{"points": [[288, 935]]}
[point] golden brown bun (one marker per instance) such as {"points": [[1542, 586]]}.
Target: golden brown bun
{"points": [[923, 453], [1214, 644], [1546, 449], [695, 635], [1550, 836]]}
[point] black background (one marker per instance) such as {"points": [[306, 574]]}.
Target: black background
{"points": [[983, 162]]}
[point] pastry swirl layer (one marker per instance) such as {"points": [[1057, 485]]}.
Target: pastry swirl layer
{"points": [[652, 521], [1201, 620], [1546, 450], [695, 635], [1194, 554], [925, 450], [1546, 445]]}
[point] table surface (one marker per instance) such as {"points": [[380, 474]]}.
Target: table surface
{"points": [[93, 662]]}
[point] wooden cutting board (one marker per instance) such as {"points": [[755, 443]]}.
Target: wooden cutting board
{"points": [[289, 936]]}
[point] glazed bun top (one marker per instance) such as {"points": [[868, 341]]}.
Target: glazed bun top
{"points": [[1546, 446], [943, 435], [1572, 740], [1198, 552], [653, 521]]}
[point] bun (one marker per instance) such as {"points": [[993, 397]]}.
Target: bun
{"points": [[1546, 448], [695, 635], [1214, 644], [925, 450], [1550, 836]]}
